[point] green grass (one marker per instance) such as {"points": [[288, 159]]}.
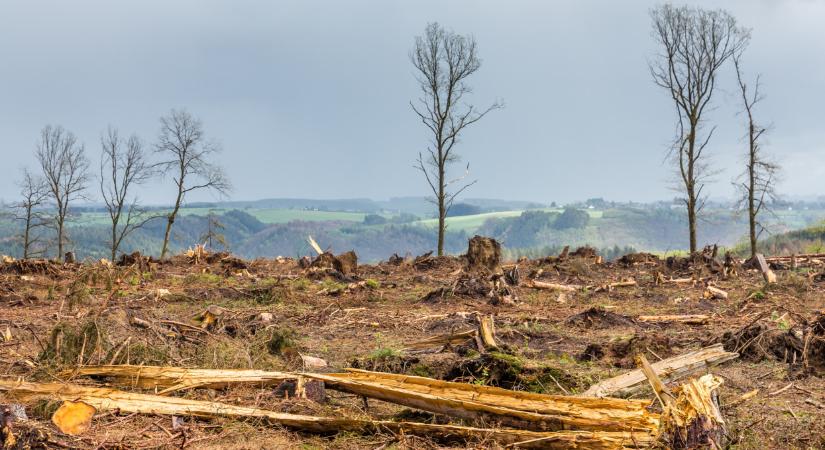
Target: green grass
{"points": [[473, 222], [269, 216]]}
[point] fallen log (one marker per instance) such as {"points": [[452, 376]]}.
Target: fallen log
{"points": [[609, 287], [104, 399], [486, 333], [314, 245], [442, 340], [714, 292], [669, 369], [513, 408], [171, 379], [767, 273], [690, 319], [484, 336], [799, 256], [660, 279], [553, 286]]}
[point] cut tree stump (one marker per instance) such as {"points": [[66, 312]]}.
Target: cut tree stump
{"points": [[483, 253]]}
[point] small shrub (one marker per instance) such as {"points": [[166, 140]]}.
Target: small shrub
{"points": [[67, 342], [384, 353]]}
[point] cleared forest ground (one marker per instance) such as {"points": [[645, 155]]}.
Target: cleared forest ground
{"points": [[219, 312]]}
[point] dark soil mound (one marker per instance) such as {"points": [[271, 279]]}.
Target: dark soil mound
{"points": [[597, 317]]}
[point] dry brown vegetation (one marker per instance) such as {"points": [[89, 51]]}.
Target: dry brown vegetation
{"points": [[560, 326]]}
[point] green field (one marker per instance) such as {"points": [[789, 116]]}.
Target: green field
{"points": [[268, 216], [473, 222]]}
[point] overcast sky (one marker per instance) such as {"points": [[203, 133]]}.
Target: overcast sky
{"points": [[311, 98]]}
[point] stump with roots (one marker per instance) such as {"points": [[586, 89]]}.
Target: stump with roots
{"points": [[483, 253]]}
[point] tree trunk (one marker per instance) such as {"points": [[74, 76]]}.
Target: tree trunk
{"points": [[60, 237], [171, 220], [751, 190], [691, 186], [26, 233], [441, 226], [692, 225], [114, 241], [442, 207]]}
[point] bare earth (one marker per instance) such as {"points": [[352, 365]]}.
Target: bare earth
{"points": [[59, 317]]}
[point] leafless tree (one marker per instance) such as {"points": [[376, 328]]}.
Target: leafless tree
{"points": [[443, 62], [185, 152], [33, 193], [757, 182], [694, 43], [65, 170], [123, 164]]}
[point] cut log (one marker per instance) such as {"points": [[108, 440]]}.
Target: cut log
{"points": [[513, 408], [767, 273], [678, 281], [443, 340], [103, 399], [611, 286], [486, 333], [800, 256], [519, 409], [669, 369], [554, 286], [171, 379], [714, 292], [314, 245], [690, 319]]}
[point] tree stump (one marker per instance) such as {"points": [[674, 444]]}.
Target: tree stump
{"points": [[483, 253]]}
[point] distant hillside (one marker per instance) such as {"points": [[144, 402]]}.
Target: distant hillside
{"points": [[807, 240], [266, 231]]}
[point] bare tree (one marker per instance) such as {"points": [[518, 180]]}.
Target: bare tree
{"points": [[66, 171], [186, 152], [443, 62], [33, 193], [757, 182], [123, 164], [695, 43]]}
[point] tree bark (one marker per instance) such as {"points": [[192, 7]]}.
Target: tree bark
{"points": [[169, 222]]}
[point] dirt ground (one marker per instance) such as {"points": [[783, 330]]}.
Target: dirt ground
{"points": [[264, 314]]}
